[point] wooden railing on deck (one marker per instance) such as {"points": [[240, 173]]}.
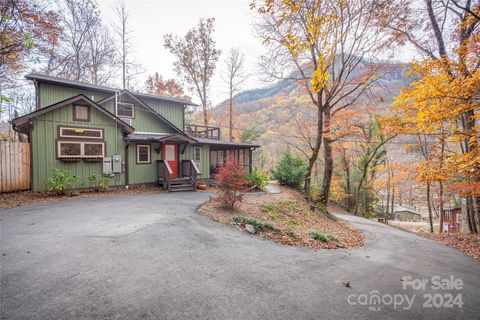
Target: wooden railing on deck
{"points": [[203, 131], [164, 173], [189, 169]]}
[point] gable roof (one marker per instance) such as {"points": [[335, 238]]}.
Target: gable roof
{"points": [[22, 123], [87, 86], [402, 208], [148, 108]]}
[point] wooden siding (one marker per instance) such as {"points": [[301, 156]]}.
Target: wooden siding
{"points": [[204, 157], [44, 149], [14, 166], [142, 173], [50, 94], [145, 120], [147, 173], [173, 112]]}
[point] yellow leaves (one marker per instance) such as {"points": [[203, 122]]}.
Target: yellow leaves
{"points": [[320, 75], [437, 97]]}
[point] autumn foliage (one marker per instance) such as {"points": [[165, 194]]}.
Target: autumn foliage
{"points": [[231, 181], [167, 88]]}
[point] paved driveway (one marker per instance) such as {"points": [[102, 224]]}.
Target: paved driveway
{"points": [[152, 257]]}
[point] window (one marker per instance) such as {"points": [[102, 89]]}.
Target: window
{"points": [[93, 149], [125, 110], [67, 132], [80, 149], [169, 152], [81, 113], [143, 153], [70, 149], [197, 154]]}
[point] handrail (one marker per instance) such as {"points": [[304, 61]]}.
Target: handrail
{"points": [[170, 172], [195, 167], [164, 171], [190, 169]]}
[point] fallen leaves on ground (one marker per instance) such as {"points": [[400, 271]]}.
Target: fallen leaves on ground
{"points": [[467, 243], [291, 217], [15, 199]]}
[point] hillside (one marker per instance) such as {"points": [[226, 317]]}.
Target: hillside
{"points": [[282, 104]]}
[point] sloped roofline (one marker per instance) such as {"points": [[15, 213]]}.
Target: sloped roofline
{"points": [[87, 86], [146, 106], [27, 117]]}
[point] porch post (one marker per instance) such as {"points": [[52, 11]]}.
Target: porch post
{"points": [[250, 160]]}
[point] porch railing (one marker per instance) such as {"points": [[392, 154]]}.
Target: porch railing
{"points": [[190, 169], [202, 131], [164, 173]]}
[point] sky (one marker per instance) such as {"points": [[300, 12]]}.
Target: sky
{"points": [[150, 20]]}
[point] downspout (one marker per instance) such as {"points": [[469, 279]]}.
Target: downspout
{"points": [[116, 124], [30, 140], [126, 164], [117, 177]]}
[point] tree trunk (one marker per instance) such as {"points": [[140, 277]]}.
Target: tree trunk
{"points": [[471, 215], [313, 158], [429, 205], [392, 206], [440, 195], [231, 113], [476, 205], [328, 159], [348, 188]]}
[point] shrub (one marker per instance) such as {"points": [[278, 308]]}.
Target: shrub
{"points": [[324, 237], [231, 182], [257, 180], [60, 181], [290, 170], [258, 224], [99, 182]]}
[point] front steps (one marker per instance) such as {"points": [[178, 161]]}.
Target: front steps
{"points": [[181, 184]]}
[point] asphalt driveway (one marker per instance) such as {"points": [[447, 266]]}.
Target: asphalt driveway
{"points": [[153, 257]]}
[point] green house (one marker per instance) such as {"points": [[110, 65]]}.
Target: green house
{"points": [[405, 214], [134, 138]]}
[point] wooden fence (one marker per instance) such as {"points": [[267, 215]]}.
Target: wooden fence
{"points": [[14, 166]]}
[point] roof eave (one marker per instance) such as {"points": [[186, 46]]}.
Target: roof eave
{"points": [[75, 84]]}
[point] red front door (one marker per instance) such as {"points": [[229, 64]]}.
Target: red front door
{"points": [[170, 154]]}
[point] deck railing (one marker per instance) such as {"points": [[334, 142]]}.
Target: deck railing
{"points": [[202, 131], [164, 173]]}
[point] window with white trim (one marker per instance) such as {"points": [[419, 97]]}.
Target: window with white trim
{"points": [[81, 113], [125, 110], [80, 149], [84, 133], [143, 153], [197, 154]]}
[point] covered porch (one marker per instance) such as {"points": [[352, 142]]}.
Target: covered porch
{"points": [[167, 157]]}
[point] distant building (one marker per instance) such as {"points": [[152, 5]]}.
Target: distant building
{"points": [[406, 214], [451, 220]]}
